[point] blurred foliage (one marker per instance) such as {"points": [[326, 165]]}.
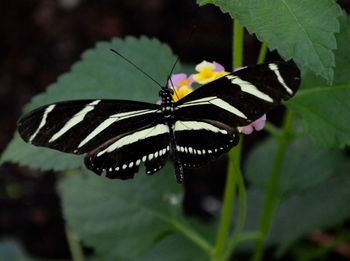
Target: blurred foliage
{"points": [[314, 186], [12, 250], [126, 219]]}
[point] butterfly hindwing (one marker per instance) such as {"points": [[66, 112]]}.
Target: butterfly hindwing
{"points": [[83, 125], [243, 96], [199, 142], [122, 156]]}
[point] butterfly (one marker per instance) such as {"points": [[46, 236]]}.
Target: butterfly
{"points": [[118, 136]]}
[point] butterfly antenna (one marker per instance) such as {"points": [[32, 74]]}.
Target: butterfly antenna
{"points": [[177, 60], [173, 87], [137, 67]]}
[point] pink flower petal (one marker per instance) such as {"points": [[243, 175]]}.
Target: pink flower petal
{"points": [[247, 129], [239, 68], [218, 67], [176, 79], [259, 123]]}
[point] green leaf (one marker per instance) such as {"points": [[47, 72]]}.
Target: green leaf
{"points": [[342, 59], [325, 112], [324, 109], [298, 29], [24, 154], [323, 206], [100, 74], [174, 248], [237, 9], [342, 54], [315, 185], [305, 165], [123, 219]]}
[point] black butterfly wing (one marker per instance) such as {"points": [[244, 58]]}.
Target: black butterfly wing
{"points": [[207, 119], [90, 126], [82, 125], [243, 96], [201, 141], [122, 156]]}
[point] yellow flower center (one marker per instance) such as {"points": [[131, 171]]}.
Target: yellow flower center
{"points": [[207, 73], [181, 92]]}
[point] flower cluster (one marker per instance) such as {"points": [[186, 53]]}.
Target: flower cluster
{"points": [[207, 72], [182, 85]]}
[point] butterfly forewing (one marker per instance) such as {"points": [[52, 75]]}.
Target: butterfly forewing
{"points": [[122, 156], [241, 97], [82, 126]]}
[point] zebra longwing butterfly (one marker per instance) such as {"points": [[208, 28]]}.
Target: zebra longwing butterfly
{"points": [[120, 135]]}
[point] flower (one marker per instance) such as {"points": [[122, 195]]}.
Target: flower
{"points": [[208, 72], [181, 84], [180, 79], [256, 125]]}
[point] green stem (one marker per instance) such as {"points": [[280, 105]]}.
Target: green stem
{"points": [[228, 204], [272, 194], [248, 236], [74, 246], [234, 163], [237, 45], [236, 237], [272, 129], [262, 53]]}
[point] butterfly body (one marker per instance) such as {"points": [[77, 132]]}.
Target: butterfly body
{"points": [[167, 108], [118, 136]]}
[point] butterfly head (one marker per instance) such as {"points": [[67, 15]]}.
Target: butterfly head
{"points": [[166, 94], [167, 103]]}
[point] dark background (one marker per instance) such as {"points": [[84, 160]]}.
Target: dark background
{"points": [[41, 39]]}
